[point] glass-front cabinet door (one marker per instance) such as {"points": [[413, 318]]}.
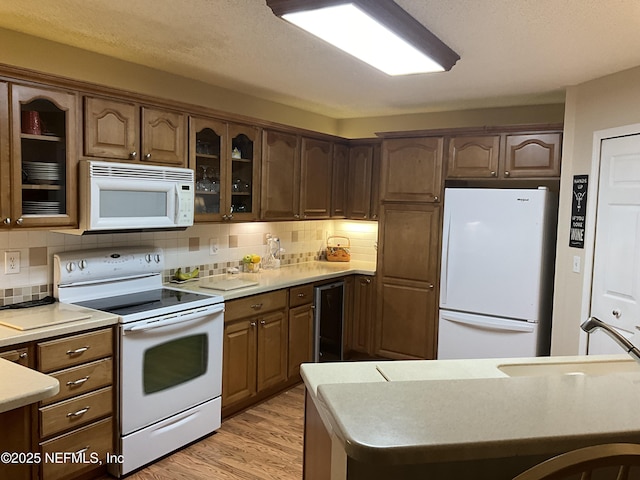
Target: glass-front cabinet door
{"points": [[43, 177], [244, 158], [207, 147]]}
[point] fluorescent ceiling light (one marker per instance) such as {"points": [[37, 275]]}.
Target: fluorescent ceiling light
{"points": [[366, 29]]}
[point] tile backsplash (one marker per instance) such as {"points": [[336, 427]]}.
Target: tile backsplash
{"points": [[302, 242]]}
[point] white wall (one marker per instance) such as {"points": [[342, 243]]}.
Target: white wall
{"points": [[607, 102]]}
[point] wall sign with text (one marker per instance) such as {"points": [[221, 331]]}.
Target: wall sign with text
{"points": [[578, 210]]}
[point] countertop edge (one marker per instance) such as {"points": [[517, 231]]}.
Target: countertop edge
{"points": [[25, 386]]}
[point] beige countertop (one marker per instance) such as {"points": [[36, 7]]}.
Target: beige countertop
{"points": [[419, 412], [51, 321], [21, 385], [283, 277]]}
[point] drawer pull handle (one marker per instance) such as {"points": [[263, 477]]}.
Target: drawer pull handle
{"points": [[82, 450], [15, 356], [79, 413], [301, 295], [256, 306], [80, 381], [77, 351]]}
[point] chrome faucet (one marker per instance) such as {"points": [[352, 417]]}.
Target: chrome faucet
{"points": [[592, 323]]}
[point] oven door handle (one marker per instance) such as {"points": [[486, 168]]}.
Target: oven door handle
{"points": [[177, 319]]}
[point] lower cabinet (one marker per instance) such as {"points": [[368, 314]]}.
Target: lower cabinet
{"points": [[67, 435], [300, 328], [362, 317], [266, 338], [78, 419], [255, 348]]}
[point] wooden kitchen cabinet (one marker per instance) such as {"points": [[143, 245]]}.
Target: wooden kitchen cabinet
{"points": [[255, 348], [39, 177], [16, 424], [225, 160], [505, 155], [359, 181], [121, 130], [316, 170], [411, 169], [80, 415], [407, 283], [339, 180], [362, 316], [301, 332], [296, 177], [280, 199]]}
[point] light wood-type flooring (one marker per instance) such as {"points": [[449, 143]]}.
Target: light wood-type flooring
{"points": [[263, 442]]}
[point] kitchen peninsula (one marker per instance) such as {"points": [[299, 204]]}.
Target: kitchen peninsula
{"points": [[445, 419]]}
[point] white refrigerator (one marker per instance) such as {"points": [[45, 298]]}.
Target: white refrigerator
{"points": [[496, 280]]}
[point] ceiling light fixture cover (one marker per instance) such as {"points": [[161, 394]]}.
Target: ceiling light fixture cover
{"points": [[378, 32]]}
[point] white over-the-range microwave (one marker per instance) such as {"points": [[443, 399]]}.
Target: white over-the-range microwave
{"points": [[117, 197]]}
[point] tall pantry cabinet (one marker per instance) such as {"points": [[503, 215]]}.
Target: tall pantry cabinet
{"points": [[411, 184]]}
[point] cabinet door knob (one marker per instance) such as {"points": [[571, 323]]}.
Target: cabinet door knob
{"points": [[431, 287], [493, 173], [147, 156], [133, 155], [506, 174], [262, 322], [7, 221], [296, 216], [19, 221], [252, 324], [436, 199]]}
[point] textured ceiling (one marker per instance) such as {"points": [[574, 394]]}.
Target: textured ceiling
{"points": [[513, 52]]}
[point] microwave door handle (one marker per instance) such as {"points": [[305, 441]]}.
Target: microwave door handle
{"points": [[176, 319]]}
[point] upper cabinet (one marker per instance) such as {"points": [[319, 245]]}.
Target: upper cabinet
{"points": [[39, 172], [280, 184], [296, 177], [505, 155], [411, 169], [339, 180], [120, 130], [316, 171], [225, 160]]}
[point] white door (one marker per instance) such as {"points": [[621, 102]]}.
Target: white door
{"points": [[616, 271]]}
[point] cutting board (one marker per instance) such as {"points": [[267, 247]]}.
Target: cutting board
{"points": [[30, 318], [226, 284]]}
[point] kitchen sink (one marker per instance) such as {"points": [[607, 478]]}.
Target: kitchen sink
{"points": [[569, 368]]}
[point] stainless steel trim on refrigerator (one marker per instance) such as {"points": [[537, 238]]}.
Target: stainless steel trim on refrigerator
{"points": [[328, 322]]}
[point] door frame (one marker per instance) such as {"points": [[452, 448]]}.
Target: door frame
{"points": [[591, 218]]}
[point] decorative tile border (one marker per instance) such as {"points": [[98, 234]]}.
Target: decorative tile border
{"points": [[9, 296]]}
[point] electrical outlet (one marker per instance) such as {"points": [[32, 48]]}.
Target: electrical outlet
{"points": [[11, 262], [213, 246]]}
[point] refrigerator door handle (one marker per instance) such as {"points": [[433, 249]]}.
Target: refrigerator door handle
{"points": [[445, 260], [487, 324]]}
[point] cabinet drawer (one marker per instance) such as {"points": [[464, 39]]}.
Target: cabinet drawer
{"points": [[20, 356], [255, 304], [92, 441], [70, 351], [300, 295], [82, 379], [75, 411]]}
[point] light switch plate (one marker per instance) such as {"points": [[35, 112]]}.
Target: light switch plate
{"points": [[576, 264]]}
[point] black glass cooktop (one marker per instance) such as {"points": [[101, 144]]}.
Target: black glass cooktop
{"points": [[162, 299]]}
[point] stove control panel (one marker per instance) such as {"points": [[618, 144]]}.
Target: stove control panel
{"points": [[112, 263]]}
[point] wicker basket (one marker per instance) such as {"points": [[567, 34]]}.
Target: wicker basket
{"points": [[338, 251]]}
